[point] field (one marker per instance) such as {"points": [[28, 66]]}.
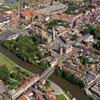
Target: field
{"points": [[61, 97], [5, 61]]}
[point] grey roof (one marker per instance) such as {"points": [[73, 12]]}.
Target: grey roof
{"points": [[88, 77], [2, 89], [6, 35], [52, 8]]}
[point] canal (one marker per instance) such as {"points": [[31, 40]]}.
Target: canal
{"points": [[64, 84]]}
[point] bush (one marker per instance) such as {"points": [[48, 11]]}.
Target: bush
{"points": [[4, 73]]}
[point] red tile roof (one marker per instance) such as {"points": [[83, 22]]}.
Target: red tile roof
{"points": [[22, 97], [26, 13]]}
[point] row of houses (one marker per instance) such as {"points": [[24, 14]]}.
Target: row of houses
{"points": [[15, 93]]}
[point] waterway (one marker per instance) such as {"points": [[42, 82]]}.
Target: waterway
{"points": [[64, 84]]}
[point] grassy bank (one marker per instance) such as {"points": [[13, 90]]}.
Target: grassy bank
{"points": [[5, 61], [61, 97]]}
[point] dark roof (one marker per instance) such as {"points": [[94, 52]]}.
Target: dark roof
{"points": [[2, 87], [6, 35]]}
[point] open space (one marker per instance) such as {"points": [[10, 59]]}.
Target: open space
{"points": [[61, 97], [5, 61]]}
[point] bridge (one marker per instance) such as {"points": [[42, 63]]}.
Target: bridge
{"points": [[49, 71]]}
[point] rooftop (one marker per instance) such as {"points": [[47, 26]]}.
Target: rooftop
{"points": [[26, 13], [52, 8]]}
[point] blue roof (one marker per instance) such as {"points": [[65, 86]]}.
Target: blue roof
{"points": [[11, 1]]}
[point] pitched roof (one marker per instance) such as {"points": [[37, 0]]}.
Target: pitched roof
{"points": [[23, 97], [26, 13]]}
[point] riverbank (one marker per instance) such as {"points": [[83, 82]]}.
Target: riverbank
{"points": [[57, 90], [10, 73], [64, 84], [10, 65]]}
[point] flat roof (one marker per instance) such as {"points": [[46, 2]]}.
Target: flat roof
{"points": [[52, 8]]}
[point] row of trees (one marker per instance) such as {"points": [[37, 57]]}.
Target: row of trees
{"points": [[70, 78], [27, 48]]}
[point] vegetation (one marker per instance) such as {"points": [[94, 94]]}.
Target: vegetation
{"points": [[1, 30], [61, 97], [12, 5], [98, 70], [15, 80], [5, 61], [92, 98], [56, 23], [71, 78], [27, 48], [74, 37], [4, 73], [84, 60], [78, 7], [93, 30], [10, 74], [97, 45]]}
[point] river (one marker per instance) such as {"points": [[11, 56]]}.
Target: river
{"points": [[64, 84]]}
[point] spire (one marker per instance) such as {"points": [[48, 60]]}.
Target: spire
{"points": [[53, 33], [20, 9]]}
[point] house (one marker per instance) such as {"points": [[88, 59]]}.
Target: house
{"points": [[8, 35], [2, 87], [1, 3], [88, 77], [88, 38], [4, 19], [15, 93], [97, 2], [26, 14]]}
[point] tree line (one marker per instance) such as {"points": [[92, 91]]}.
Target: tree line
{"points": [[27, 48]]}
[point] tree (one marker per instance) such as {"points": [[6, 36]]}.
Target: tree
{"points": [[97, 45], [4, 73], [71, 78], [83, 60], [93, 30], [27, 48]]}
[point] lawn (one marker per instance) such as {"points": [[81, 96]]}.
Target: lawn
{"points": [[5, 61], [61, 97]]}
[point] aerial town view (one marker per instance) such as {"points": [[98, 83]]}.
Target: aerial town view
{"points": [[49, 49]]}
